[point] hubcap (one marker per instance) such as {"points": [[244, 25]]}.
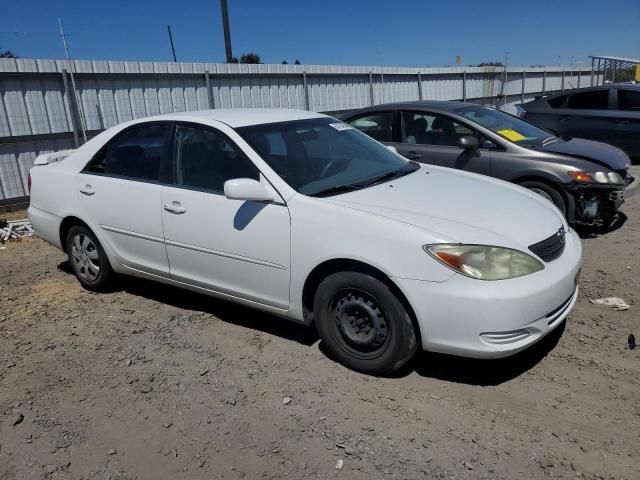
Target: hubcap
{"points": [[360, 321], [85, 257]]}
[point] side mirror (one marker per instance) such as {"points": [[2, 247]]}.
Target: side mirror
{"points": [[247, 189], [468, 142]]}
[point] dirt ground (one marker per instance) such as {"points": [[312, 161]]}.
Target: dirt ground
{"points": [[151, 382]]}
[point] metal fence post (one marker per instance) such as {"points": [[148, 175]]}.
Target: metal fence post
{"points": [[371, 87], [207, 82], [593, 61], [579, 75], [544, 82], [562, 82], [524, 75], [419, 86], [73, 108], [464, 86], [306, 89]]}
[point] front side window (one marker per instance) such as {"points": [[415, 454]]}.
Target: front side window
{"points": [[430, 129], [324, 156], [507, 126], [629, 100], [590, 100], [205, 159], [136, 153], [376, 125]]}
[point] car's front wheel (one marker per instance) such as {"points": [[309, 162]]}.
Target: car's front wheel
{"points": [[547, 192], [88, 259], [363, 323]]}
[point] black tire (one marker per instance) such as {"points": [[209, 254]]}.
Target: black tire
{"points": [[363, 324], [89, 263], [548, 192]]}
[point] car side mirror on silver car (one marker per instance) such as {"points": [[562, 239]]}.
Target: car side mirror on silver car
{"points": [[468, 142], [247, 189]]}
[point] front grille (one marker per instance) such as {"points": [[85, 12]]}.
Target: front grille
{"points": [[550, 248]]}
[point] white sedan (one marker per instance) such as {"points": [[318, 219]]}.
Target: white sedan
{"points": [[300, 215]]}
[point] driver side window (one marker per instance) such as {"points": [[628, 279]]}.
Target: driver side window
{"points": [[206, 159], [423, 128]]}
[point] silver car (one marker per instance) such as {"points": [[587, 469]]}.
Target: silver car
{"points": [[586, 180]]}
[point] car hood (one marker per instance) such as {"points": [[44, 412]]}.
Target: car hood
{"points": [[460, 207], [598, 152]]}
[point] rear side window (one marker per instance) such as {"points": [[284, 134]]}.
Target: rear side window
{"points": [[205, 159], [629, 100], [376, 125], [558, 102], [135, 153], [591, 100]]}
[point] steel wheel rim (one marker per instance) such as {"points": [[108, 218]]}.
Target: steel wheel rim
{"points": [[360, 324], [85, 257], [542, 193]]}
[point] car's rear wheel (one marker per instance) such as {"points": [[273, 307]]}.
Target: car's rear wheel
{"points": [[88, 259], [547, 192], [363, 324]]}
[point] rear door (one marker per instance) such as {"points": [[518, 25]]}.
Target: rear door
{"points": [[433, 138], [627, 120], [585, 114], [120, 192]]}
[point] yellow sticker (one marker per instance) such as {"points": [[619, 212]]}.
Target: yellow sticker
{"points": [[511, 135]]}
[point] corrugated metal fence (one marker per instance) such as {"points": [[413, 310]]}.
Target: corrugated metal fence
{"points": [[39, 111]]}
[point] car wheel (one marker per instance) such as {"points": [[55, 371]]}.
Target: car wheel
{"points": [[87, 259], [363, 323], [547, 192]]}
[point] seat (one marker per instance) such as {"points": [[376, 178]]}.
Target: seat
{"points": [[415, 130], [445, 132]]}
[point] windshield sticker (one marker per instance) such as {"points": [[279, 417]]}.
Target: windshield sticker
{"points": [[341, 126], [511, 135]]}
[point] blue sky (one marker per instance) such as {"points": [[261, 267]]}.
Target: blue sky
{"points": [[348, 32]]}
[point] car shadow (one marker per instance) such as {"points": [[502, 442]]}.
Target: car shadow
{"points": [[426, 364], [586, 231], [472, 371], [226, 311]]}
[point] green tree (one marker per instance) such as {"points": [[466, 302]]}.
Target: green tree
{"points": [[297, 62], [490, 64], [7, 54], [250, 58]]}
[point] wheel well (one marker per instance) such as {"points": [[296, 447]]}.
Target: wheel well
{"points": [[545, 181], [329, 267], [65, 226]]}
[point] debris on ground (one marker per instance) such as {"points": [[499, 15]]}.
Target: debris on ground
{"points": [[615, 303], [15, 230], [631, 341]]}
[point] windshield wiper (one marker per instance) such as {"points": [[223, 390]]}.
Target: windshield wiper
{"points": [[401, 172], [335, 190]]}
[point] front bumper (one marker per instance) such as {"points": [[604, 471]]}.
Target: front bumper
{"points": [[492, 319]]}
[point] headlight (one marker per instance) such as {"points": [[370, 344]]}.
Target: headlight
{"points": [[596, 177], [484, 262]]}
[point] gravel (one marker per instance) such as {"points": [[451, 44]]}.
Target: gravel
{"points": [[170, 384]]}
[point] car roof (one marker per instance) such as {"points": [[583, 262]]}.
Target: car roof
{"points": [[572, 91], [443, 105], [239, 117]]}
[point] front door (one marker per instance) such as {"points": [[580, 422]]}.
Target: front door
{"points": [[433, 138], [120, 191], [233, 247]]}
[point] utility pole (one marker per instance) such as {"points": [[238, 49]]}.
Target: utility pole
{"points": [[173, 50], [73, 81], [227, 33]]}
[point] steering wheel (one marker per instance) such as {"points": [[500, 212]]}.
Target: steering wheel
{"points": [[333, 162]]}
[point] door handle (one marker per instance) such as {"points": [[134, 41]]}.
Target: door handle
{"points": [[622, 123], [564, 119], [174, 207], [87, 190], [413, 155]]}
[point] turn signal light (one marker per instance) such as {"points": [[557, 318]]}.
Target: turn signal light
{"points": [[581, 176]]}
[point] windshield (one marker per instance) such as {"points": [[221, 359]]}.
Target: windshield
{"points": [[324, 156], [507, 126]]}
